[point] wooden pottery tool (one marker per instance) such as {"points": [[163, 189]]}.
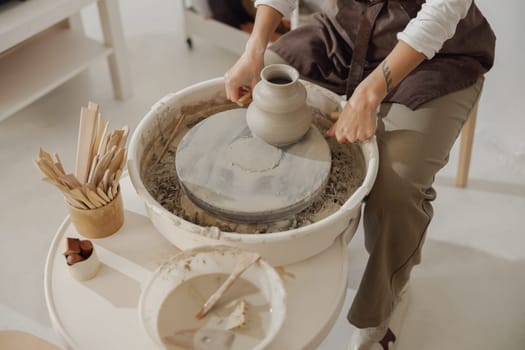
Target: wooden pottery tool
{"points": [[245, 99], [245, 261], [171, 138], [335, 115], [88, 118]]}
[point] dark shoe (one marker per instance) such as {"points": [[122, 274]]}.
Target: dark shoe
{"points": [[382, 337]]}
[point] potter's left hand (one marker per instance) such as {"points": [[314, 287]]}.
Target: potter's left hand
{"points": [[357, 121], [244, 74]]}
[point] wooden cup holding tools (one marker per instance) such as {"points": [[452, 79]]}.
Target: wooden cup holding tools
{"points": [[92, 194]]}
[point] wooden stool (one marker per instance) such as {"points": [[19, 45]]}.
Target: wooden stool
{"points": [[465, 148], [17, 340]]}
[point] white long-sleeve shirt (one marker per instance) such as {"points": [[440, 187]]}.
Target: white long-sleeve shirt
{"points": [[434, 24]]}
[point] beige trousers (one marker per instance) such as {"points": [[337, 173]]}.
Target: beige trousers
{"points": [[413, 147]]}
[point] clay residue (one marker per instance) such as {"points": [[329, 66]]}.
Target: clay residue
{"points": [[242, 151], [160, 177]]}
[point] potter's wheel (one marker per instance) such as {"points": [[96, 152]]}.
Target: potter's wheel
{"points": [[229, 172]]}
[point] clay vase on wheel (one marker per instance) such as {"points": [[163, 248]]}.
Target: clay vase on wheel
{"points": [[279, 114]]}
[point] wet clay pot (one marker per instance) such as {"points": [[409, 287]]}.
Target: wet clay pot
{"points": [[279, 114]]}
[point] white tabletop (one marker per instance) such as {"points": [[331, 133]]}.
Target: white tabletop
{"points": [[102, 313]]}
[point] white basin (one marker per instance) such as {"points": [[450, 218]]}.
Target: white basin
{"points": [[165, 306], [279, 248]]}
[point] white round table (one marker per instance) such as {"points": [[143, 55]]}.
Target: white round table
{"points": [[102, 313]]}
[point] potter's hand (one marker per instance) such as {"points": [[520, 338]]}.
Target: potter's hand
{"points": [[357, 121], [243, 76]]}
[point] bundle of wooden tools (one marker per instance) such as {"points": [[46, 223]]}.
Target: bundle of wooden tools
{"points": [[100, 159]]}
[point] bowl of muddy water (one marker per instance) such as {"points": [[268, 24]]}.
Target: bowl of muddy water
{"points": [[248, 316]]}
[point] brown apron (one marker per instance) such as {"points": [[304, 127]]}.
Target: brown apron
{"points": [[354, 36]]}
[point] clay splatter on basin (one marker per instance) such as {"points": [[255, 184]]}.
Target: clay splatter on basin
{"points": [[160, 178]]}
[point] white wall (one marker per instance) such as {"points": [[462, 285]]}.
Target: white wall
{"points": [[501, 120]]}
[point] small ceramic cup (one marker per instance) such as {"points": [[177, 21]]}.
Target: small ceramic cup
{"points": [[99, 222], [86, 269]]}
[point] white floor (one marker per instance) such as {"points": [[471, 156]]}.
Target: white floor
{"points": [[469, 291]]}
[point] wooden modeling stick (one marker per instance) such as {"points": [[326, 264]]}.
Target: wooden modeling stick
{"points": [[88, 118]]}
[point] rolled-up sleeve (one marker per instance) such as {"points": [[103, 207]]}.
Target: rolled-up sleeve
{"points": [[434, 24], [285, 7]]}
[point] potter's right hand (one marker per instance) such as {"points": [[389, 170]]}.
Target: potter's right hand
{"points": [[243, 76]]}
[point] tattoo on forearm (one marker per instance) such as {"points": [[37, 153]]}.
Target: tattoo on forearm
{"points": [[388, 76]]}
